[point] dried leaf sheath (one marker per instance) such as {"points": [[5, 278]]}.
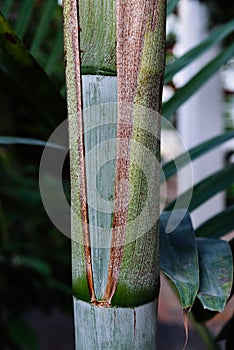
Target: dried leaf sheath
{"points": [[132, 275], [82, 270]]}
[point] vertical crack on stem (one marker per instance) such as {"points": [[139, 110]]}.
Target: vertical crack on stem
{"points": [[135, 321], [73, 78]]}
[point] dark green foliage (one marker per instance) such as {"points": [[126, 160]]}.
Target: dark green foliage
{"points": [[21, 335], [219, 11], [34, 256]]}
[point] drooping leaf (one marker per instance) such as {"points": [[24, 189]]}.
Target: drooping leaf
{"points": [[179, 259], [213, 39], [218, 225], [194, 84], [203, 315], [205, 189], [32, 262], [21, 334], [216, 272], [11, 140], [171, 168]]}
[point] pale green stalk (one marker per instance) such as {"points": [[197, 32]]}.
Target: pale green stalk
{"points": [[116, 280]]}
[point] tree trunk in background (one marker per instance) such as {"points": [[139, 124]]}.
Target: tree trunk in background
{"points": [[115, 168]]}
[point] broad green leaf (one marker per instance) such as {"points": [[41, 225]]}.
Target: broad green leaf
{"points": [[216, 272], [25, 78], [45, 21], [171, 5], [185, 92], [34, 263], [21, 334], [213, 38], [205, 189], [11, 140], [23, 17], [171, 168], [218, 225], [179, 259], [204, 315]]}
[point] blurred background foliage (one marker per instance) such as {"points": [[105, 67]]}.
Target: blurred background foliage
{"points": [[34, 256]]}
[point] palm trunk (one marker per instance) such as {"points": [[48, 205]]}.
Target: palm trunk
{"points": [[114, 155]]}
